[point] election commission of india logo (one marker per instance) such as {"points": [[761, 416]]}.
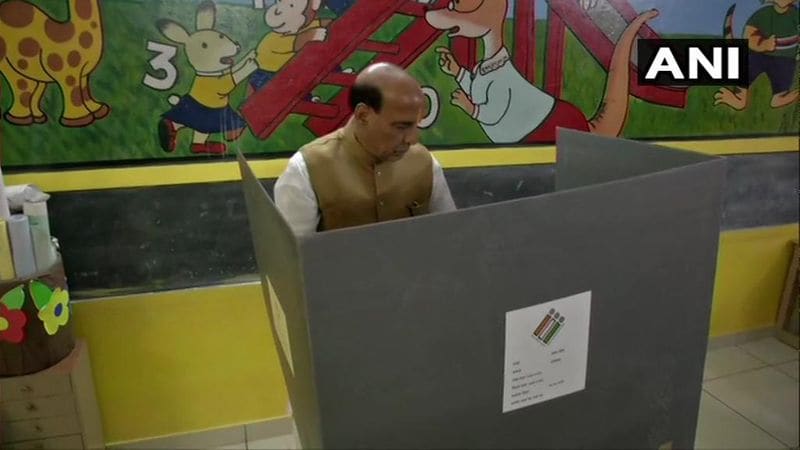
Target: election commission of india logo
{"points": [[549, 327]]}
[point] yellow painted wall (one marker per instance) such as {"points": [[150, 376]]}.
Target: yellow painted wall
{"points": [[750, 278], [184, 361], [214, 172]]}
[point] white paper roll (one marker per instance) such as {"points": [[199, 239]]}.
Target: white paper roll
{"points": [[35, 209], [19, 234], [18, 194], [4, 212], [40, 234]]}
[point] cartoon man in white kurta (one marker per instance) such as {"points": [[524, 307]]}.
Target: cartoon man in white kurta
{"points": [[507, 106]]}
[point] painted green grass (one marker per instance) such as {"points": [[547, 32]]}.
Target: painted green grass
{"points": [[129, 133], [700, 118]]}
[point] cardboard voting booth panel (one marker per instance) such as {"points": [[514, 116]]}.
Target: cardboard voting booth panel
{"points": [[277, 254], [575, 319]]}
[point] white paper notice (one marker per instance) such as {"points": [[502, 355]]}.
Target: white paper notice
{"points": [[279, 322], [546, 351]]}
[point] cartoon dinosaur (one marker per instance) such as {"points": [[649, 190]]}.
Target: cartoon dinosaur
{"points": [[507, 106], [772, 38], [206, 109], [37, 50]]}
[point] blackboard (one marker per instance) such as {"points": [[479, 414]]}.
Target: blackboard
{"points": [[172, 237]]}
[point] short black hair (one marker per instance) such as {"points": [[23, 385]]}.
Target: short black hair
{"points": [[367, 94]]}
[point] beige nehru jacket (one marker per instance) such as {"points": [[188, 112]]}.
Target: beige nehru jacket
{"points": [[334, 183]]}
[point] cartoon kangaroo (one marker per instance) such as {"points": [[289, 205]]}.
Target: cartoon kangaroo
{"points": [[508, 107], [206, 109], [772, 38]]}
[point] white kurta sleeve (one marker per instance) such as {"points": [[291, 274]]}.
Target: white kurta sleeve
{"points": [[441, 200], [496, 106], [295, 198], [464, 79]]}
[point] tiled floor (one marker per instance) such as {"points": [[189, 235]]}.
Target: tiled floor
{"points": [[750, 397], [749, 401]]}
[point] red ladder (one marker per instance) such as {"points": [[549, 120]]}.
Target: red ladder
{"points": [[318, 63]]}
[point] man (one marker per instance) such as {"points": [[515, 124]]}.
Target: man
{"points": [[371, 170]]}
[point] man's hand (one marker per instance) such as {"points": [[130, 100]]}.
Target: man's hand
{"points": [[461, 99], [770, 44], [245, 68], [250, 66], [246, 63], [311, 35], [447, 62], [756, 41], [320, 34]]}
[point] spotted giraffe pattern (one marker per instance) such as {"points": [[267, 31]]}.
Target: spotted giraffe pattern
{"points": [[37, 50]]}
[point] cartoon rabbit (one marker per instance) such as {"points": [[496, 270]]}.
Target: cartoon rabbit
{"points": [[206, 109]]}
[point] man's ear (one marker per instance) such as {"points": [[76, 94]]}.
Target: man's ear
{"points": [[362, 113]]}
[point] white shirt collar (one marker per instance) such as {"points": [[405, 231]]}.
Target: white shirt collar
{"points": [[495, 62]]}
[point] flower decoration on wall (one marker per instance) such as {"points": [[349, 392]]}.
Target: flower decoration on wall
{"points": [[53, 306], [12, 319]]}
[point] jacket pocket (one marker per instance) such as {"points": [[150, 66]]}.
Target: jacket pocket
{"points": [[418, 209]]}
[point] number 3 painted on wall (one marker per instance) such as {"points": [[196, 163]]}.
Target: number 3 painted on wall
{"points": [[162, 62]]}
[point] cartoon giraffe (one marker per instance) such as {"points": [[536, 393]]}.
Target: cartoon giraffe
{"points": [[36, 50]]}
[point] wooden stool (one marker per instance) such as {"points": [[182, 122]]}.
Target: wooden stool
{"points": [[55, 408]]}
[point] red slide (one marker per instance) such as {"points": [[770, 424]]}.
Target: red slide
{"points": [[318, 63]]}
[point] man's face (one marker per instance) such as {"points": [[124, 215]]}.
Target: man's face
{"points": [[392, 131]]}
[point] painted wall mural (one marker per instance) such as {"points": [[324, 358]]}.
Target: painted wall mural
{"points": [[104, 81]]}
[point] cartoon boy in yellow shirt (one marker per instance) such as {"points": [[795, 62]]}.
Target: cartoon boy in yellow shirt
{"points": [[293, 24]]}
